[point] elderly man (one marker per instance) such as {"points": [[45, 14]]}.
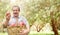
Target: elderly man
{"points": [[11, 20]]}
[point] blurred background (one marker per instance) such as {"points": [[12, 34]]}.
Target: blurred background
{"points": [[42, 15]]}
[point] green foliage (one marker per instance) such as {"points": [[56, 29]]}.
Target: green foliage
{"points": [[34, 10], [3, 8]]}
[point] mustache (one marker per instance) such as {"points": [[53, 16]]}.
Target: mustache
{"points": [[15, 13]]}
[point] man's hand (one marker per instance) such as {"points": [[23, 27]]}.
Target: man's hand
{"points": [[8, 15], [24, 32]]}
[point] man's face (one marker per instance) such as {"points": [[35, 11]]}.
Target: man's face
{"points": [[15, 11]]}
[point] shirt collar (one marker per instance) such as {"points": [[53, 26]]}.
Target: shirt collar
{"points": [[14, 17]]}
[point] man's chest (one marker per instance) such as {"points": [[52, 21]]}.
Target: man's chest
{"points": [[14, 22]]}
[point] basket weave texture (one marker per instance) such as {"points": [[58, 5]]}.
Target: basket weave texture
{"points": [[15, 30]]}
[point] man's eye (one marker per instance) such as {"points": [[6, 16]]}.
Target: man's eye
{"points": [[15, 10]]}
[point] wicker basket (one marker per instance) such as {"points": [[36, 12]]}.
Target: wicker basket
{"points": [[15, 30]]}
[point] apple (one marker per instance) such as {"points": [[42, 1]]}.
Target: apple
{"points": [[21, 24], [13, 24], [8, 13]]}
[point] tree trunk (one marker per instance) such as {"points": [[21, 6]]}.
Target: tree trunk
{"points": [[38, 28], [53, 23]]}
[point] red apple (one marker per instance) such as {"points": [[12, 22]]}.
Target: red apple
{"points": [[8, 13], [22, 24], [13, 24]]}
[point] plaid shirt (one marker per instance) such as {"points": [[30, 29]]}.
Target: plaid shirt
{"points": [[20, 19]]}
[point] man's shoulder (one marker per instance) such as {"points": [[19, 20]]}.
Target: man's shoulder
{"points": [[20, 17]]}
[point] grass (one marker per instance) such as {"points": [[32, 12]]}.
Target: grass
{"points": [[34, 33]]}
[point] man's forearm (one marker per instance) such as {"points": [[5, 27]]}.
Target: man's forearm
{"points": [[5, 24]]}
